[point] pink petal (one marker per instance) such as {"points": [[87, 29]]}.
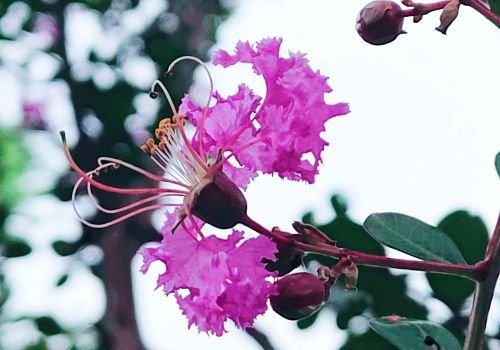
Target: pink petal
{"points": [[216, 273], [293, 113]]}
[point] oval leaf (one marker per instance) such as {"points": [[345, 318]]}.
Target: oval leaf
{"points": [[62, 280], [48, 326], [407, 333], [470, 234], [413, 237], [16, 248]]}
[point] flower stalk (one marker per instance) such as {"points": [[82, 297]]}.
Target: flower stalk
{"points": [[482, 9], [418, 10], [474, 272]]}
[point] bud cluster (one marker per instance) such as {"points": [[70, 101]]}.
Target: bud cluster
{"points": [[299, 295], [381, 21]]}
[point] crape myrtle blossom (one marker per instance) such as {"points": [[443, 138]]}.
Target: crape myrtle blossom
{"points": [[224, 279], [289, 119], [212, 278]]}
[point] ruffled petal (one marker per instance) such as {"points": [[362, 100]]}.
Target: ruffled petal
{"points": [[293, 113], [216, 273]]}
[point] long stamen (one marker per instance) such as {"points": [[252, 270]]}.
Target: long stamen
{"points": [[126, 207], [154, 94], [193, 221], [101, 186], [115, 221], [193, 153], [201, 127], [152, 176], [240, 131], [201, 63], [178, 119], [172, 164], [232, 153], [121, 218], [183, 224]]}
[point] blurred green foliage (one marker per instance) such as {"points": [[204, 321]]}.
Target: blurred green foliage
{"points": [[180, 28], [191, 31], [13, 161], [380, 292]]}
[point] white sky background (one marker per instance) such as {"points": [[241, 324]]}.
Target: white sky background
{"points": [[420, 140]]}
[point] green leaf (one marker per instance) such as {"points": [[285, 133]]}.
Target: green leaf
{"points": [[62, 280], [471, 236], [497, 158], [4, 292], [64, 248], [367, 341], [39, 345], [16, 247], [13, 161], [413, 237], [495, 7], [48, 326], [407, 333]]}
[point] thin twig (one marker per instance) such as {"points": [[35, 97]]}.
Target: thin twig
{"points": [[483, 294], [482, 9], [474, 272], [260, 338]]}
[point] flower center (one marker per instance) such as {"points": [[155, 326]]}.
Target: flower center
{"points": [[173, 153]]}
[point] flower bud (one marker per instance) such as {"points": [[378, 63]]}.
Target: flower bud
{"points": [[218, 201], [287, 259], [449, 14], [380, 22], [299, 296]]}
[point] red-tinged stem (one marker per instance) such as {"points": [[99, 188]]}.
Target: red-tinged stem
{"points": [[423, 9], [107, 188], [482, 9], [474, 272], [484, 294]]}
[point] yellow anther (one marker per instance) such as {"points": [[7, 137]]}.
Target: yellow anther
{"points": [[162, 145], [159, 133], [145, 148], [150, 143]]}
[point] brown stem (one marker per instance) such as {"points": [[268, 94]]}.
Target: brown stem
{"points": [[483, 294], [120, 322], [260, 338], [474, 272], [482, 9]]}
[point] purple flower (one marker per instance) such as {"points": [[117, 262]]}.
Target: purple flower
{"points": [[33, 115], [234, 140], [272, 136], [47, 25], [224, 279]]}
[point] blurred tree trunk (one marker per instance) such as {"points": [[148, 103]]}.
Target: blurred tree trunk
{"points": [[119, 318]]}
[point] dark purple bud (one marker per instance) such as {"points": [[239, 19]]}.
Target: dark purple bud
{"points": [[299, 296], [380, 22], [287, 259], [218, 201]]}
